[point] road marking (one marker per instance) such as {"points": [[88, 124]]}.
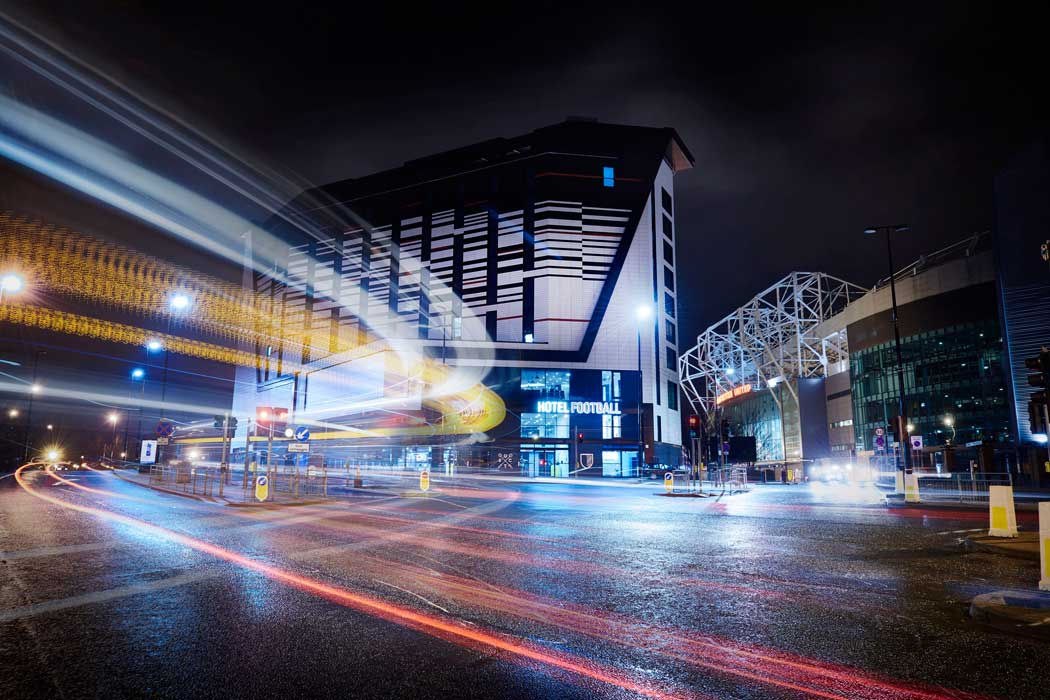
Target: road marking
{"points": [[961, 532], [416, 595], [104, 596], [55, 551]]}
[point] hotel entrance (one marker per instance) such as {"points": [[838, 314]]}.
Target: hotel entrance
{"points": [[545, 460]]}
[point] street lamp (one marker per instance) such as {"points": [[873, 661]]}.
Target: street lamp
{"points": [[50, 426], [642, 313], [950, 422], [13, 413], [138, 373], [179, 302], [902, 417], [10, 283], [153, 345]]}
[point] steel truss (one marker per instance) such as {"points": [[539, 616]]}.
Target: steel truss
{"points": [[771, 339]]}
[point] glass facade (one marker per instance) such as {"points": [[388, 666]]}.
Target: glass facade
{"points": [[758, 415], [953, 373]]}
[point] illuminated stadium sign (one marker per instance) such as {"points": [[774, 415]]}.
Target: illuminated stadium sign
{"points": [[602, 408], [732, 393]]}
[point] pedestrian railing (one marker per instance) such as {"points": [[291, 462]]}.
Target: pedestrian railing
{"points": [[960, 487]]}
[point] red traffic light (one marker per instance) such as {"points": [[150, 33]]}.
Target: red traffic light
{"points": [[579, 436], [694, 421]]}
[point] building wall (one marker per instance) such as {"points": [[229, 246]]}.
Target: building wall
{"points": [[536, 263], [840, 413]]}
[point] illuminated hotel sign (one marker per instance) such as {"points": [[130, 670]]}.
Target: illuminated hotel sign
{"points": [[602, 408], [732, 393]]}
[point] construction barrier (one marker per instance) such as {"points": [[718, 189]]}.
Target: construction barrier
{"points": [[911, 488], [1044, 545], [1003, 519]]}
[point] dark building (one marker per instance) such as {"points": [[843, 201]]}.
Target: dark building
{"points": [[1022, 203]]}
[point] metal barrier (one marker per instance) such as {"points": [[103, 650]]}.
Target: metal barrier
{"points": [[960, 487], [731, 479]]}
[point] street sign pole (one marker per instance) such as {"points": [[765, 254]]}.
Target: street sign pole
{"points": [[223, 467], [247, 452]]}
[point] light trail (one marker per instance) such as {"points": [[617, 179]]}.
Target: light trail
{"points": [[439, 627]]}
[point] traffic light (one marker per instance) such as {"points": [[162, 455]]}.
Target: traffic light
{"points": [[1036, 417], [694, 421], [579, 438], [231, 422]]}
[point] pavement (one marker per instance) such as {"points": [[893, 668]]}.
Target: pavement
{"points": [[494, 589]]}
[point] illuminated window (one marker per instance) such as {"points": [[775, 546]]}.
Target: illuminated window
{"points": [[545, 425], [611, 427], [552, 383], [610, 386], [608, 176]]}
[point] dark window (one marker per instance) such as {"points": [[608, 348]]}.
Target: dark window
{"points": [[669, 278], [838, 395], [668, 253], [659, 429], [672, 358], [668, 304], [669, 332], [668, 228], [666, 198], [672, 395]]}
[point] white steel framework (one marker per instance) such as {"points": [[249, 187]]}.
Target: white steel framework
{"points": [[769, 340]]}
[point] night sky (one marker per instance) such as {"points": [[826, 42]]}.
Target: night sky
{"points": [[805, 128]]}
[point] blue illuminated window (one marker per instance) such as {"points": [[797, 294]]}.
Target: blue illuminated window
{"points": [[608, 176]]}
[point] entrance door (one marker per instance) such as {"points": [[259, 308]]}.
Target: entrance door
{"points": [[545, 461]]}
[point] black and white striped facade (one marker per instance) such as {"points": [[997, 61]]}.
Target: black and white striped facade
{"points": [[531, 252]]}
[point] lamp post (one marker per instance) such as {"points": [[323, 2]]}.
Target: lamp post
{"points": [[642, 314], [137, 374], [34, 389], [112, 418], [10, 283], [902, 417], [950, 422]]}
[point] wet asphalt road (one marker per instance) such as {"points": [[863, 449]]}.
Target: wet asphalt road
{"points": [[498, 589]]}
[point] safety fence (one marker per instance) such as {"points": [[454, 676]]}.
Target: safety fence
{"points": [[282, 483], [960, 487]]}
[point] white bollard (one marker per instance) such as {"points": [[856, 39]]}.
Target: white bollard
{"points": [[1003, 519], [911, 488], [898, 481], [1044, 545]]}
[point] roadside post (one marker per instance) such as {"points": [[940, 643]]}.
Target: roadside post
{"points": [[262, 487], [669, 482], [1001, 515], [1044, 545], [424, 481], [911, 488]]}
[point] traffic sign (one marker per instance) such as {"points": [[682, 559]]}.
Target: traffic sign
{"points": [[879, 432], [148, 452], [880, 442], [298, 447], [262, 488], [165, 428], [916, 442], [302, 433], [424, 480], [669, 482]]}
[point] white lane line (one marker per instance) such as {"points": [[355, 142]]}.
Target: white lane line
{"points": [[961, 532], [104, 596], [56, 551], [416, 595]]}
